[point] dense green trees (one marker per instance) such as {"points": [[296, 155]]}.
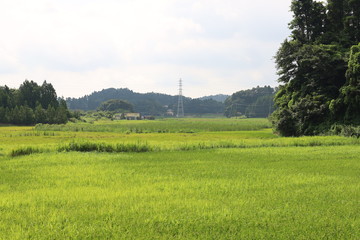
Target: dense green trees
{"points": [[116, 105], [198, 106], [347, 106], [319, 82], [146, 103], [255, 102], [32, 104]]}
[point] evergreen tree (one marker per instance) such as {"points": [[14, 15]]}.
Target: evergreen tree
{"points": [[27, 114], [116, 105], [26, 104], [48, 95], [352, 21], [3, 115], [312, 66], [15, 116], [8, 115], [29, 94], [348, 104], [309, 20], [51, 114], [62, 113], [255, 102], [40, 114]]}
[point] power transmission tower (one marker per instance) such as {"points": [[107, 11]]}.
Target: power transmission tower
{"points": [[180, 109]]}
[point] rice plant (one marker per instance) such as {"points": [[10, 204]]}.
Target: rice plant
{"points": [[24, 151], [104, 147]]}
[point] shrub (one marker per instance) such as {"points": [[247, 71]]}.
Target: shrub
{"points": [[24, 151], [103, 147], [345, 130]]}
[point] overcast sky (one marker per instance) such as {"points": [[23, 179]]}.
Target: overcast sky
{"points": [[81, 46]]}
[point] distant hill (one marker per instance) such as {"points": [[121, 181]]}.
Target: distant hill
{"points": [[255, 102], [146, 103], [93, 101], [218, 97]]}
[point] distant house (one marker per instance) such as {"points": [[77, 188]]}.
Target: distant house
{"points": [[170, 112], [118, 116], [132, 116]]}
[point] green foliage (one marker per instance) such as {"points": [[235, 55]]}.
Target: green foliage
{"points": [[202, 106], [155, 104], [345, 130], [315, 91], [116, 105], [256, 102], [348, 103], [32, 104], [40, 114], [104, 147], [149, 107], [309, 20], [24, 151]]}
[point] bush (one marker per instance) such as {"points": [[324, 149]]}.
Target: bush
{"points": [[345, 130], [103, 147], [24, 151]]}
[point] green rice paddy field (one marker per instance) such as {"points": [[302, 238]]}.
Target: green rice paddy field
{"points": [[176, 179]]}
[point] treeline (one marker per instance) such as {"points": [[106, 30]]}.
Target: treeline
{"points": [[31, 104], [146, 103], [319, 68], [254, 103]]}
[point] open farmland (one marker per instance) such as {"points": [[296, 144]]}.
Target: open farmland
{"points": [[193, 181]]}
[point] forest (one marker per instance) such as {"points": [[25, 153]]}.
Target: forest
{"points": [[156, 104], [319, 68], [32, 103], [254, 103]]}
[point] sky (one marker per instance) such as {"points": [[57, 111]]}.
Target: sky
{"points": [[82, 46]]}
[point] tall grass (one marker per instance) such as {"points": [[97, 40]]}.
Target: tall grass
{"points": [[139, 146], [104, 147], [25, 151]]}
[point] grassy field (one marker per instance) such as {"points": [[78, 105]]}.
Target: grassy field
{"points": [[185, 125], [242, 183]]}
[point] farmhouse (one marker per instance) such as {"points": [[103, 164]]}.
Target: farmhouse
{"points": [[118, 116], [132, 116], [170, 112]]}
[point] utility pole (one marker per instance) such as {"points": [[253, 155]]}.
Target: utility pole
{"points": [[180, 109]]}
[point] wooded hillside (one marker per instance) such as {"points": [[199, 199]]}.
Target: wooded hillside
{"points": [[319, 68], [146, 103]]}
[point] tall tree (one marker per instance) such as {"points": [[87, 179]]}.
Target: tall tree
{"points": [[348, 104], [309, 20], [29, 93], [48, 95], [40, 114], [352, 21], [312, 64], [26, 104]]}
